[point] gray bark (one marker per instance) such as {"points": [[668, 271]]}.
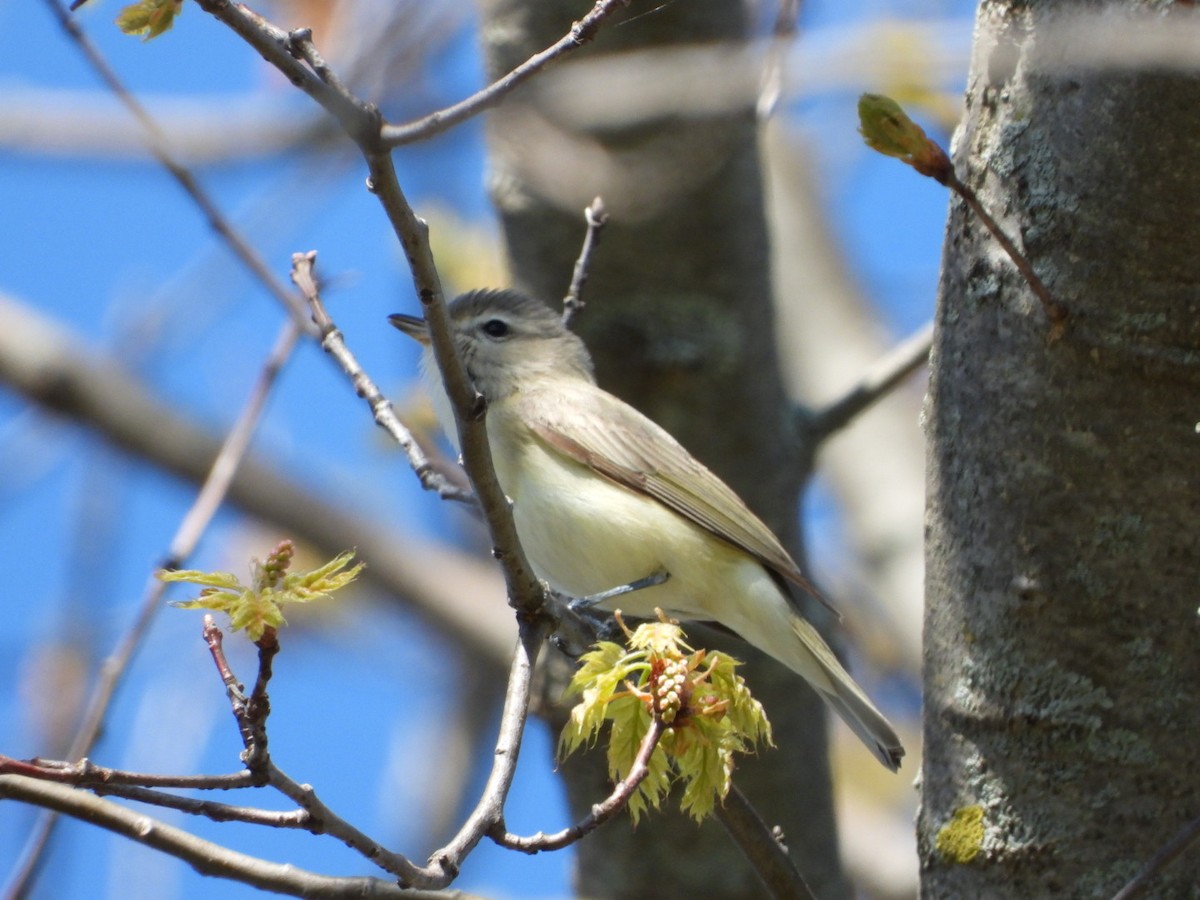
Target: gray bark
{"points": [[680, 322], [1062, 672]]}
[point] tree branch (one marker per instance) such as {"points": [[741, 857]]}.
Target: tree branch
{"points": [[156, 142], [212, 493], [87, 774], [445, 863], [899, 362], [362, 122], [251, 714], [764, 851], [596, 217], [448, 588], [435, 123], [333, 343], [1140, 883], [205, 857], [1056, 311], [601, 812]]}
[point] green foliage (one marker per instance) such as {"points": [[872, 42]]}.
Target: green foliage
{"points": [[258, 606], [709, 710], [887, 129], [149, 18]]}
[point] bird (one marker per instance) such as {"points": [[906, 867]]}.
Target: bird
{"points": [[602, 497]]}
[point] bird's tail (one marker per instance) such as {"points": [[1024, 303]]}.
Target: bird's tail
{"points": [[820, 667]]}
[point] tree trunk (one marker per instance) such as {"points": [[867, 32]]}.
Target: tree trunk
{"points": [[1062, 671], [680, 322]]}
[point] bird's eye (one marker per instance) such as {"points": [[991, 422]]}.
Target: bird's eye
{"points": [[496, 328]]}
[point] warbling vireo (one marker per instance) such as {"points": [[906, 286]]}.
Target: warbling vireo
{"points": [[604, 497]]}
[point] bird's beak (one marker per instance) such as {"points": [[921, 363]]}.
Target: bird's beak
{"points": [[415, 328]]}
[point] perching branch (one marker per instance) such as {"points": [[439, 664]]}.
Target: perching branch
{"points": [[435, 123], [488, 814], [361, 123]]}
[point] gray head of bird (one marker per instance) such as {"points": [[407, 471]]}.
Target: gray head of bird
{"points": [[507, 341]]}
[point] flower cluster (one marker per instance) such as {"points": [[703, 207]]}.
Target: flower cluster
{"points": [[708, 710]]}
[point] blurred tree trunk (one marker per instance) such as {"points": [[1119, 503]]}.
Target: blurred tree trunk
{"points": [[1062, 672], [680, 322]]}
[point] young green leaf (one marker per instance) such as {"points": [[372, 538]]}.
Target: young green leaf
{"points": [[706, 704], [887, 129], [149, 18], [258, 606]]}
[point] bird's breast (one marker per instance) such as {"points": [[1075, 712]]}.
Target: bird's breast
{"points": [[584, 533]]}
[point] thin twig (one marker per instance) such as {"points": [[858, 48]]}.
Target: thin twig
{"points": [[85, 773], [250, 714], [295, 819], [435, 123], [157, 144], [762, 848], [333, 343], [601, 812], [195, 521], [205, 857], [1056, 311], [596, 217], [488, 814], [525, 593], [877, 382], [1138, 886], [361, 122], [324, 820], [234, 689]]}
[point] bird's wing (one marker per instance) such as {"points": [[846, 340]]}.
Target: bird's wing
{"points": [[614, 439]]}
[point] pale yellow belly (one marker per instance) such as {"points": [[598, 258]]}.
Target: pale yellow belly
{"points": [[584, 534]]}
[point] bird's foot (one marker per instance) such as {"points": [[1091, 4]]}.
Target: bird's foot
{"points": [[651, 580]]}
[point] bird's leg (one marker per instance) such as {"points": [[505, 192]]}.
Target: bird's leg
{"points": [[654, 578]]}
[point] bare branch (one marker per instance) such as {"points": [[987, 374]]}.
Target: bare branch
{"points": [[156, 142], [601, 812], [444, 864], [1056, 310], [87, 774], [217, 812], [900, 362], [764, 851], [333, 343], [455, 591], [596, 217], [205, 857], [212, 494], [525, 592], [251, 714], [581, 32], [1140, 883]]}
